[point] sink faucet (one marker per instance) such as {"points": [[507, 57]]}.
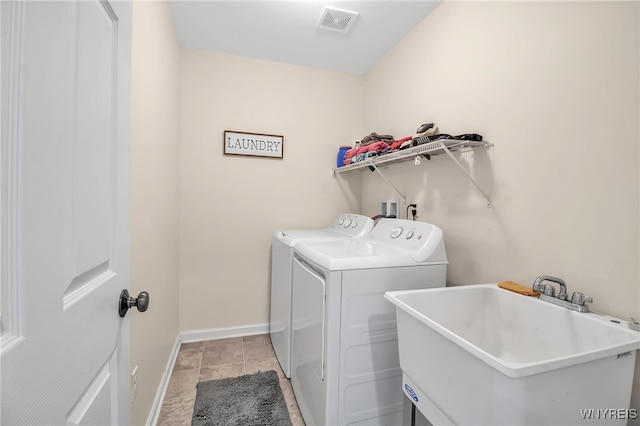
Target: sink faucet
{"points": [[578, 300], [548, 289]]}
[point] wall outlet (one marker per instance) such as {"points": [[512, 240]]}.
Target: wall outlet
{"points": [[134, 383], [414, 211], [389, 208]]}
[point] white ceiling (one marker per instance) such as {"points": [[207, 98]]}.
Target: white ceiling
{"points": [[287, 31]]}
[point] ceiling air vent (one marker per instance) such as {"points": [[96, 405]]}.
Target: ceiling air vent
{"points": [[336, 19]]}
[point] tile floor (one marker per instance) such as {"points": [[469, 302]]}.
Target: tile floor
{"points": [[219, 359]]}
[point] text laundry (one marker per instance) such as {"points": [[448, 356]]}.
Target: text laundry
{"points": [[253, 144]]}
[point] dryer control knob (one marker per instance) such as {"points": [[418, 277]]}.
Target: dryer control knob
{"points": [[409, 234], [347, 223], [396, 232]]}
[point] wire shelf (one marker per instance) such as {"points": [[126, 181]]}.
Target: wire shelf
{"points": [[443, 146], [431, 148]]}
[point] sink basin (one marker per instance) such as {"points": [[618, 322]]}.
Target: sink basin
{"points": [[480, 354]]}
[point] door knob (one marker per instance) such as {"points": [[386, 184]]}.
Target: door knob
{"points": [[141, 302]]}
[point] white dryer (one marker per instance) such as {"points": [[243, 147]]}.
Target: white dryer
{"points": [[345, 366], [344, 227]]}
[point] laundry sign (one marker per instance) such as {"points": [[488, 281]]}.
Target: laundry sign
{"points": [[253, 144]]}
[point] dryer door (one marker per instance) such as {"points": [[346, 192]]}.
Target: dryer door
{"points": [[308, 320]]}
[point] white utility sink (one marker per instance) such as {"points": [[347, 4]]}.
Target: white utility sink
{"points": [[480, 354]]}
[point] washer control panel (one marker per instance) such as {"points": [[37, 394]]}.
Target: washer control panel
{"points": [[406, 232], [354, 225], [419, 237]]}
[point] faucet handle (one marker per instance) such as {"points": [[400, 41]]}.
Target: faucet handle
{"points": [[548, 290], [580, 299]]}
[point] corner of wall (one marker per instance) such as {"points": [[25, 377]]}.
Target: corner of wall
{"points": [[154, 209]]}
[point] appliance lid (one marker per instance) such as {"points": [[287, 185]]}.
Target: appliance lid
{"points": [[391, 243], [346, 225], [357, 253], [293, 237]]}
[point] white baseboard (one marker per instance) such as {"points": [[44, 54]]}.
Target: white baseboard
{"points": [[190, 336], [222, 333], [152, 420]]}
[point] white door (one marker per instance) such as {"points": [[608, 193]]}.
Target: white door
{"points": [[65, 212]]}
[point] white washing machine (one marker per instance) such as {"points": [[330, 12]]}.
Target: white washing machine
{"points": [[345, 366], [344, 227]]}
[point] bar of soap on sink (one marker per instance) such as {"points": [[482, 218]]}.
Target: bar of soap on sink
{"points": [[518, 288]]}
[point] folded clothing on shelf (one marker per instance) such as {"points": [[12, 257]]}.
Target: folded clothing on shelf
{"points": [[469, 137], [424, 127], [375, 144], [430, 138], [474, 137], [397, 144], [364, 152], [425, 130], [342, 151], [374, 137], [407, 144]]}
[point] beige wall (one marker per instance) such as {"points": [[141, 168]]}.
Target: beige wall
{"points": [[558, 98], [231, 205], [154, 204], [555, 86]]}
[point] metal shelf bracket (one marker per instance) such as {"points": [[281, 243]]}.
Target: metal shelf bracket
{"points": [[373, 168], [457, 163]]}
